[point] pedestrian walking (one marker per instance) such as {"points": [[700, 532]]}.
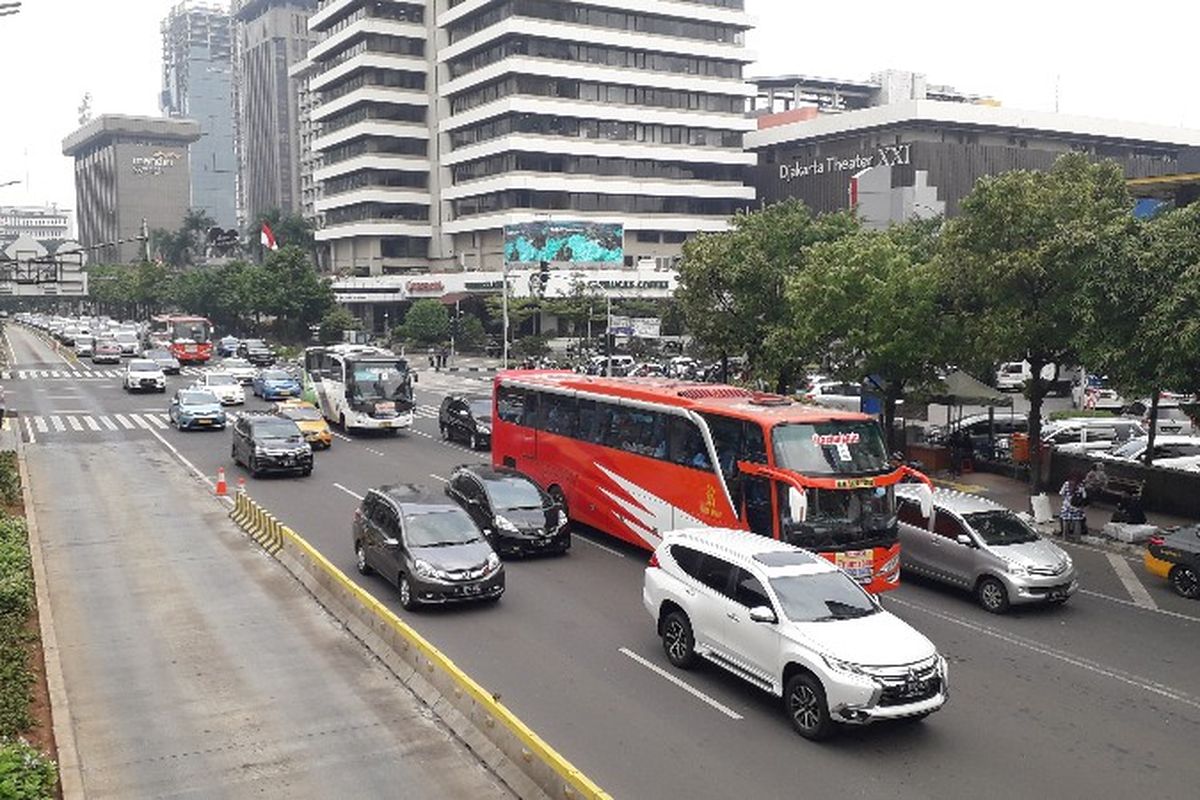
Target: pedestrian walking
{"points": [[443, 357], [1074, 498], [432, 358]]}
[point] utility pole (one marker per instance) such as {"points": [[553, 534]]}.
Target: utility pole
{"points": [[504, 309]]}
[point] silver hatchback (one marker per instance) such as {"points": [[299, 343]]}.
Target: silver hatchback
{"points": [[981, 546]]}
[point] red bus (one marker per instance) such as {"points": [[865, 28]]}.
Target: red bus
{"points": [[635, 457], [188, 338]]}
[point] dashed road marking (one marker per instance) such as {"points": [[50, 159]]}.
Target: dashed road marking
{"points": [[353, 494], [1136, 590], [682, 684]]}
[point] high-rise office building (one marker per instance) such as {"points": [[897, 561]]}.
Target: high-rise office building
{"points": [[197, 40], [269, 37], [443, 123], [46, 223]]}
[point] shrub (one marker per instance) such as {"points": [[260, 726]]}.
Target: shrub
{"points": [[16, 603], [25, 774], [10, 478]]}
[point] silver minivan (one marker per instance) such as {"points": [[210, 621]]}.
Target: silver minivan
{"points": [[981, 546]]}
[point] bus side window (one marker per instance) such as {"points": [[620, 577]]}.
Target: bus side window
{"points": [[727, 438], [510, 403], [686, 445], [531, 416], [754, 447], [561, 416]]}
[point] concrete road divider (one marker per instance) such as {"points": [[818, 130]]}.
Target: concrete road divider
{"points": [[530, 766]]}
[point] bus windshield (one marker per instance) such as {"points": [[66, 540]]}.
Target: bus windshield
{"points": [[191, 330], [837, 519], [374, 382], [837, 447]]}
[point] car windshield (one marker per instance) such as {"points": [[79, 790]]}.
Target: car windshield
{"points": [[837, 447], [302, 413], [380, 382], [157, 355], [255, 344], [822, 597], [513, 492], [276, 375], [143, 366], [235, 363], [481, 410], [440, 528], [1131, 449], [275, 428], [197, 398], [219, 379], [1001, 527]]}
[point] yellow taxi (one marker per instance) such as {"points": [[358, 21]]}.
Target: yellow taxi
{"points": [[309, 420]]}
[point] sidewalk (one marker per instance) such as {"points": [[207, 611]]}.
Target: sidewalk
{"points": [[1015, 494]]}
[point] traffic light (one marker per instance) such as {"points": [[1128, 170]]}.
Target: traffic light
{"points": [[544, 272]]}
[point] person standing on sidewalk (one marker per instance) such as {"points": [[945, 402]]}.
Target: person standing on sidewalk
{"points": [[1074, 498]]}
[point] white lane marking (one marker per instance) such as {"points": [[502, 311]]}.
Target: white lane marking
{"points": [[126, 424], [1129, 679], [108, 423], [355, 495], [598, 546], [1136, 590], [1132, 604], [439, 478], [91, 423], [158, 422], [687, 687], [342, 436], [141, 422], [195, 470], [74, 422], [57, 423], [29, 431], [40, 422]]}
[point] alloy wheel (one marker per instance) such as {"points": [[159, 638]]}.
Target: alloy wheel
{"points": [[1185, 581], [805, 707], [676, 638]]}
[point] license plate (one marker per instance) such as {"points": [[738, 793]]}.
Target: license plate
{"points": [[472, 590], [858, 563], [914, 689], [1056, 596], [285, 392], [204, 422]]}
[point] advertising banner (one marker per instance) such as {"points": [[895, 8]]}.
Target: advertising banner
{"points": [[576, 244]]}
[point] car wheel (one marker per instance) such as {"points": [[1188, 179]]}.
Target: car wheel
{"points": [[1185, 581], [304, 473], [444, 431], [253, 466], [474, 441], [360, 559], [678, 642], [804, 700], [992, 596], [408, 601]]}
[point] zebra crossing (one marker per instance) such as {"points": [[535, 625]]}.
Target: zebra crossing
{"points": [[73, 423], [77, 374]]}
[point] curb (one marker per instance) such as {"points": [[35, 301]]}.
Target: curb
{"points": [[70, 771], [526, 763]]}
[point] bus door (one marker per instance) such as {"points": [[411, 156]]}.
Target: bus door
{"points": [[758, 508], [742, 440]]}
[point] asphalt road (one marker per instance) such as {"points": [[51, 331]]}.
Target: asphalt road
{"points": [[1098, 698], [193, 664]]}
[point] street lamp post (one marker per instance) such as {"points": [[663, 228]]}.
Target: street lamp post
{"points": [[607, 326], [504, 309]]}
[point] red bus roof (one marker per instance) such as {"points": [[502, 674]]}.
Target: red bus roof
{"points": [[716, 398]]}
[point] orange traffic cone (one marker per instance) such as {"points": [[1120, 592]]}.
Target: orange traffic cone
{"points": [[222, 489]]}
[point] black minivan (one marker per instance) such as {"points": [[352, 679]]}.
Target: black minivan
{"points": [[515, 515], [430, 549], [467, 419]]}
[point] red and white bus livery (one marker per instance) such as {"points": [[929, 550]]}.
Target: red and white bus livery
{"points": [[635, 457], [189, 338]]}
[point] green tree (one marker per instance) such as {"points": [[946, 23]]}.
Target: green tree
{"points": [[295, 294], [873, 299], [1138, 315], [335, 322], [289, 230], [183, 247], [471, 336], [1016, 260], [731, 284], [427, 322]]}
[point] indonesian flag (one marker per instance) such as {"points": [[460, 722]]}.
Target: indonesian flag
{"points": [[268, 238]]}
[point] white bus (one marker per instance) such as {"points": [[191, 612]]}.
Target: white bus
{"points": [[360, 387]]}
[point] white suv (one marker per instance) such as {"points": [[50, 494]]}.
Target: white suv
{"points": [[143, 375], [792, 624]]}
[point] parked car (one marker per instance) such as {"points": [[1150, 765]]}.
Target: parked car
{"points": [[195, 408], [256, 352], [1090, 434], [1175, 556], [621, 364], [143, 375], [168, 362], [1165, 447], [1094, 394], [275, 384], [227, 346], [515, 515], [981, 546], [267, 443], [978, 428], [427, 546], [241, 369], [793, 624], [467, 419], [1171, 418], [308, 418], [647, 369], [223, 385], [106, 351], [835, 394]]}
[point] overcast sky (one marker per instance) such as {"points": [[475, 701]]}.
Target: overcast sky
{"points": [[1136, 63]]}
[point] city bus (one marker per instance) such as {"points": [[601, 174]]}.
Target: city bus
{"points": [[189, 338], [635, 457], [360, 387]]}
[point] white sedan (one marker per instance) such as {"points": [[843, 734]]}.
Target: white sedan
{"points": [[242, 370], [226, 387], [144, 375]]}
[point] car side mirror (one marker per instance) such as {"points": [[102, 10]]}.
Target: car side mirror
{"points": [[964, 540], [763, 614]]}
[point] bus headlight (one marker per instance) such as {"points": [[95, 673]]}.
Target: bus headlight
{"points": [[891, 565]]}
